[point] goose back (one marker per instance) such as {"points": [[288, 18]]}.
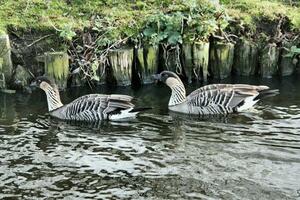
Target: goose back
{"points": [[221, 98], [93, 107]]}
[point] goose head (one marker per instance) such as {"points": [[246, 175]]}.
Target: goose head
{"points": [[42, 82], [169, 78], [51, 91]]}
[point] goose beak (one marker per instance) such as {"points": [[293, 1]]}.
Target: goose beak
{"points": [[33, 84], [75, 71], [156, 77]]}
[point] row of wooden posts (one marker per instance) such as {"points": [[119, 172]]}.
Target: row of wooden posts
{"points": [[194, 62], [198, 62]]}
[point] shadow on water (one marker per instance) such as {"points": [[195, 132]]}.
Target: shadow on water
{"points": [[162, 155]]}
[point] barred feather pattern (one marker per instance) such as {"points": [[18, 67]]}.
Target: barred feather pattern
{"points": [[178, 94], [53, 98], [88, 108], [93, 107], [211, 99], [220, 98]]}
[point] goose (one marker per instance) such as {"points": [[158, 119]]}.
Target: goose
{"points": [[90, 108], [214, 98]]}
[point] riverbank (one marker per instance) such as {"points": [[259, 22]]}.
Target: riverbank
{"points": [[124, 43]]}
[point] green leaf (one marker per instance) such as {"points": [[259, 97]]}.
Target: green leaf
{"points": [[174, 38]]}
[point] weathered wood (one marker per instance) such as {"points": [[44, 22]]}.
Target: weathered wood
{"points": [[268, 61], [245, 58], [196, 57], [221, 59], [200, 60], [121, 65], [57, 67], [171, 57], [286, 65], [2, 77], [187, 53], [147, 59], [21, 77], [5, 57]]}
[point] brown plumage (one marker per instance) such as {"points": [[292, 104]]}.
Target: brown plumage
{"points": [[214, 98], [92, 107]]}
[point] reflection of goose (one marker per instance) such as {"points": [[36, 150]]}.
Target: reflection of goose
{"points": [[214, 98], [92, 107]]}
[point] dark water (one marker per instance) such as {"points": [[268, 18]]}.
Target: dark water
{"points": [[255, 155]]}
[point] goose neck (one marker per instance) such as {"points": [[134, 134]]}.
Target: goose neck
{"points": [[53, 97], [178, 95]]}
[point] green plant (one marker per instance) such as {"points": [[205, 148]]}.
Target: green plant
{"points": [[67, 33], [293, 51], [164, 28]]}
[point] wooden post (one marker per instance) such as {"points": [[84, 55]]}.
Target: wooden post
{"points": [[196, 57], [187, 49], [121, 65], [171, 57], [221, 59], [200, 60], [148, 61], [269, 61], [57, 67], [245, 58], [286, 65], [5, 57]]}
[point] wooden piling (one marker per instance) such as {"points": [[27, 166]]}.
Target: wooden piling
{"points": [[5, 57], [221, 59], [286, 65], [268, 61], [147, 58], [57, 67], [245, 58], [121, 61]]}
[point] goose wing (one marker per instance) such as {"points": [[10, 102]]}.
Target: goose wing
{"points": [[94, 107], [222, 98]]}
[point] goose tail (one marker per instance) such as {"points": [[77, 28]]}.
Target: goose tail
{"points": [[266, 93], [140, 109], [127, 114], [250, 101]]}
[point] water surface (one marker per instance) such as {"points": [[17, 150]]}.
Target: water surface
{"points": [[160, 155]]}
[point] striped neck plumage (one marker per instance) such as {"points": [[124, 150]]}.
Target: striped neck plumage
{"points": [[53, 97], [178, 95]]}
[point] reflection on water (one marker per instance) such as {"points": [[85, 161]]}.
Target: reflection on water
{"points": [[253, 155]]}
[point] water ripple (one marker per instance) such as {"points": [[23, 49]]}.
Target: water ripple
{"points": [[160, 155]]}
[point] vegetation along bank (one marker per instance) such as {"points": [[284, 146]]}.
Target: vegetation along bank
{"points": [[124, 42]]}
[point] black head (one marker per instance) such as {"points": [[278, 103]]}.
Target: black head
{"points": [[165, 75], [40, 79]]}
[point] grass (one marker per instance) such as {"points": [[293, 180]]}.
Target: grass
{"points": [[251, 11], [126, 18]]}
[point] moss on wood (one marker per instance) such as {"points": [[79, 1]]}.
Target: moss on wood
{"points": [[57, 67], [221, 60], [286, 65], [149, 66], [195, 59], [268, 61], [5, 56], [121, 64], [245, 58]]}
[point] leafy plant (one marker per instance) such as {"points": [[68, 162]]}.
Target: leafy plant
{"points": [[164, 28], [294, 51], [67, 33]]}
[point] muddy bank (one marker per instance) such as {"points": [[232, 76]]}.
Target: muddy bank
{"points": [[32, 54]]}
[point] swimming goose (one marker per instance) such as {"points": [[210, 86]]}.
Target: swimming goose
{"points": [[214, 98], [92, 107]]}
